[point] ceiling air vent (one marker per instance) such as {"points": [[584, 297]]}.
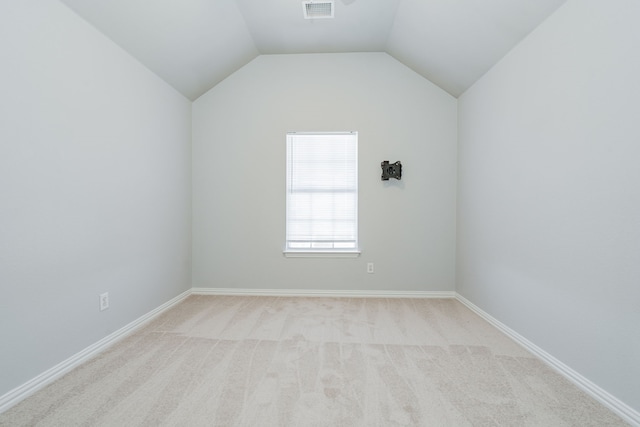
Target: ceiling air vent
{"points": [[317, 9]]}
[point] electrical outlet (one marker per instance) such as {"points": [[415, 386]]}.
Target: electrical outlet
{"points": [[370, 267], [104, 301]]}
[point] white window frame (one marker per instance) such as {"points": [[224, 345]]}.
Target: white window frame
{"points": [[308, 246]]}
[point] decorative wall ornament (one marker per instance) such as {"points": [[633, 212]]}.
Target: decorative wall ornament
{"points": [[391, 170]]}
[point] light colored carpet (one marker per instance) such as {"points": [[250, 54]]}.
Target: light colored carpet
{"points": [[272, 361]]}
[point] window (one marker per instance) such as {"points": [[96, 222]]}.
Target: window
{"points": [[322, 193]]}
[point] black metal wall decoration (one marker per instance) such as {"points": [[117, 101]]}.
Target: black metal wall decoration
{"points": [[391, 170]]}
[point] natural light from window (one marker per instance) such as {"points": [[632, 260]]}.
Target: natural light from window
{"points": [[322, 193]]}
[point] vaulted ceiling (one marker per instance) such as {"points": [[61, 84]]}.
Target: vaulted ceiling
{"points": [[195, 44]]}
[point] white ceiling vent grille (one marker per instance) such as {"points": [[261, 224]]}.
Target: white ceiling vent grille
{"points": [[317, 9]]}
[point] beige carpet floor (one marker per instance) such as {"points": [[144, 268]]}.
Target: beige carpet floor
{"points": [[272, 361]]}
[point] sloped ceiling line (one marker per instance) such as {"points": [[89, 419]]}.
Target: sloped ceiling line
{"points": [[195, 44]]}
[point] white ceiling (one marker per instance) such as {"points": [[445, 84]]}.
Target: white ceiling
{"points": [[195, 44]]}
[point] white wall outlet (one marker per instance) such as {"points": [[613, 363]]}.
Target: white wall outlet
{"points": [[104, 301], [370, 267]]}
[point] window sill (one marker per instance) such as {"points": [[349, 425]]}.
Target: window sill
{"points": [[322, 254]]}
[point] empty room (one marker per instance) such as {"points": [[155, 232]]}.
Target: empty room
{"points": [[320, 213]]}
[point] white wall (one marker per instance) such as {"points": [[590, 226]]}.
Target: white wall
{"points": [[94, 188], [407, 227], [549, 192]]}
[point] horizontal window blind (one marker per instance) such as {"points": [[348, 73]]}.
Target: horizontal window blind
{"points": [[322, 192]]}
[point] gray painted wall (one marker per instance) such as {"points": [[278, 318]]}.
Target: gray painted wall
{"points": [[95, 185], [94, 188], [406, 228], [549, 192]]}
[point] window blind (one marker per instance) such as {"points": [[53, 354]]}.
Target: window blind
{"points": [[322, 192]]}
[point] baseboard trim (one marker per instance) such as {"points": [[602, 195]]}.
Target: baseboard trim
{"points": [[21, 392], [322, 293], [614, 404]]}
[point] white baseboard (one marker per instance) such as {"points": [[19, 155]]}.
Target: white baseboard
{"points": [[19, 393], [614, 404], [16, 395], [322, 293]]}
